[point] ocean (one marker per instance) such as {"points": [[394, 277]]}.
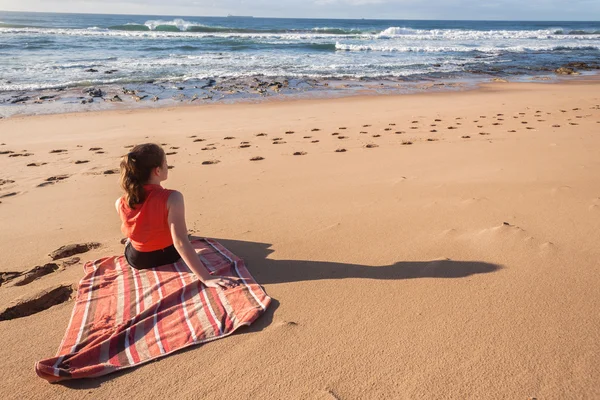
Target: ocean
{"points": [[213, 58]]}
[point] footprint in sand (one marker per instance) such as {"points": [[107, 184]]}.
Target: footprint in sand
{"points": [[228, 138], [433, 125], [174, 147], [342, 137], [258, 158], [199, 140], [289, 132], [53, 179], [342, 127], [20, 155], [261, 134], [433, 130], [314, 141], [387, 129], [277, 138], [81, 161], [482, 116], [110, 172], [573, 123], [210, 162], [315, 130], [392, 124], [244, 142], [36, 164], [366, 126], [243, 146], [399, 132], [300, 153], [36, 302], [556, 126], [414, 122], [451, 127], [307, 137], [2, 196], [483, 133], [414, 127], [99, 152], [363, 132], [5, 181], [334, 134], [57, 151], [407, 142], [437, 120], [93, 149], [171, 153], [340, 150], [377, 135], [432, 140], [193, 136], [480, 126], [170, 167], [524, 122], [371, 145], [279, 142], [496, 123], [466, 137], [6, 152], [529, 127], [208, 148], [129, 146], [512, 131]]}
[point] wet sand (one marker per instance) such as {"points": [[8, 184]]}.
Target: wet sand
{"points": [[436, 245]]}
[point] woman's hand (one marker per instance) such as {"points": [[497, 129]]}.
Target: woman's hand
{"points": [[220, 282]]}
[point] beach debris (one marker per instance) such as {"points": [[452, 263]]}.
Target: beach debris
{"points": [[40, 301], [72, 249]]}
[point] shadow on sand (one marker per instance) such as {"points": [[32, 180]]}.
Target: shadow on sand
{"points": [[267, 271]]}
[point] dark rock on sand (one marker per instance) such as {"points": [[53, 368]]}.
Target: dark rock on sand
{"points": [[94, 92], [91, 70], [72, 249]]}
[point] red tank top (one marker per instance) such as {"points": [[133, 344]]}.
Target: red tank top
{"points": [[146, 225]]}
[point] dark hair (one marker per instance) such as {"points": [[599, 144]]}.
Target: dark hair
{"points": [[136, 167]]}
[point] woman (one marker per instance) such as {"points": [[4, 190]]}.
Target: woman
{"points": [[153, 218]]}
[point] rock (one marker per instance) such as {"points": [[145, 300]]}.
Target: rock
{"points": [[91, 70], [155, 98], [46, 97], [129, 92], [116, 99], [111, 71], [72, 249], [20, 100], [86, 101], [94, 92], [566, 71]]}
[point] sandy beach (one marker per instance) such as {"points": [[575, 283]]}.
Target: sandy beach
{"points": [[434, 245]]}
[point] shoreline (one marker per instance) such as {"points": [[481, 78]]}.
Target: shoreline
{"points": [[267, 91]]}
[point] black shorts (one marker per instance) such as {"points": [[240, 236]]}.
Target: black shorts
{"points": [[150, 259]]}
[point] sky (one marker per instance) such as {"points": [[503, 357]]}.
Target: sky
{"points": [[549, 10]]}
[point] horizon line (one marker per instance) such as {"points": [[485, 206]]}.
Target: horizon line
{"points": [[261, 17]]}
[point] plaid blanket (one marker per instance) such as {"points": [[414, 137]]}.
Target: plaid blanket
{"points": [[124, 317]]}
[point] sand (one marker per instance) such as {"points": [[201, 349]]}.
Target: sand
{"points": [[453, 267]]}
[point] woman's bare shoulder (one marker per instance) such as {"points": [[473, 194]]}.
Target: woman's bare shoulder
{"points": [[175, 198]]}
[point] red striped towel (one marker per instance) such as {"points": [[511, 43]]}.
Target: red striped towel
{"points": [[124, 317]]}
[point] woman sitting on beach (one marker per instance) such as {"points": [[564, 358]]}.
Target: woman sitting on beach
{"points": [[153, 218]]}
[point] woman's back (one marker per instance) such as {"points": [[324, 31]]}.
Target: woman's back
{"points": [[146, 225]]}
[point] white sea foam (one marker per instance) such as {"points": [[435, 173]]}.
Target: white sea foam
{"points": [[460, 49]]}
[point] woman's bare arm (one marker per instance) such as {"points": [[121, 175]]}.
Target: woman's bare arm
{"points": [[178, 228]]}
